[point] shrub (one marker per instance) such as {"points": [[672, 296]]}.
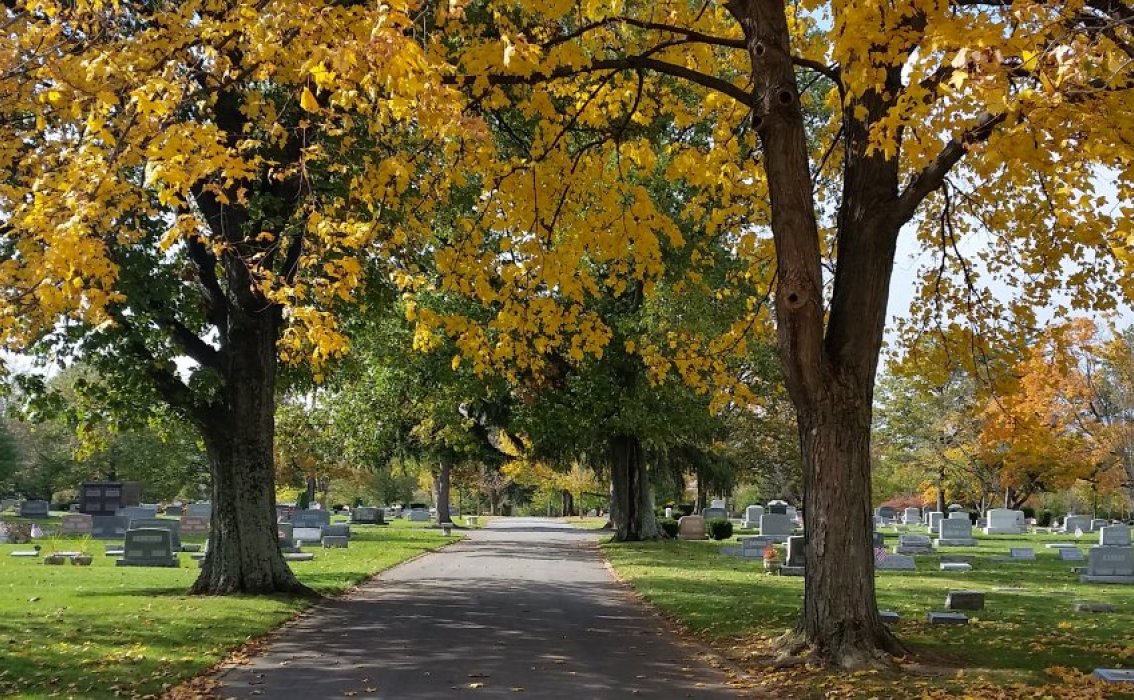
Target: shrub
{"points": [[1045, 518], [669, 527], [720, 529], [1028, 512], [686, 508]]}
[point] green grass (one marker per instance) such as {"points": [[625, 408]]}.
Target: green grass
{"points": [[588, 523], [103, 630], [734, 605]]}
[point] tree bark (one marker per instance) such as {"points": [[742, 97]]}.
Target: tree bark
{"points": [[829, 352], [631, 501], [243, 554], [441, 479], [568, 503]]}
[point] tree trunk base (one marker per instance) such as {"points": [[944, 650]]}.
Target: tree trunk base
{"points": [[256, 582], [851, 652]]}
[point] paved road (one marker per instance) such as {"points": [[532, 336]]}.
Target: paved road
{"points": [[523, 608]]}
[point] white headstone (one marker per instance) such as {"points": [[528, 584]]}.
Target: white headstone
{"points": [[911, 516], [1003, 521], [776, 525], [752, 517]]}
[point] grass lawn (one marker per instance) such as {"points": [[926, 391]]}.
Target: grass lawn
{"points": [[587, 522], [106, 631], [1023, 642]]}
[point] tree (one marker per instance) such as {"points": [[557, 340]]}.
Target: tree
{"points": [[951, 116], [199, 180]]}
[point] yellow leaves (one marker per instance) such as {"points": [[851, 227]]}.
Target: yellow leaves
{"points": [[307, 101]]}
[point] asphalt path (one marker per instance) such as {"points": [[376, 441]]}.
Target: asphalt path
{"points": [[522, 608]]}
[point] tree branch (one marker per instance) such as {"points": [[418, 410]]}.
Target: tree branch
{"points": [[933, 175]]}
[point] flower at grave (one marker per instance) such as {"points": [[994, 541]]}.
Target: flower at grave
{"points": [[769, 552], [36, 531], [1078, 532]]}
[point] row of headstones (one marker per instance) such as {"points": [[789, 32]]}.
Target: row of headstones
{"points": [[776, 526], [116, 526]]}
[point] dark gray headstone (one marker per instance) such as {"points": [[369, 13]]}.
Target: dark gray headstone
{"points": [[174, 511], [714, 514], [109, 527], [895, 562], [136, 512], [776, 525], [964, 600], [1110, 565], [888, 616], [34, 509], [174, 527], [796, 551], [199, 510], [1022, 553], [335, 542], [1115, 675], [337, 530], [368, 515], [311, 518], [879, 540], [76, 524], [776, 508], [148, 547], [1068, 554]]}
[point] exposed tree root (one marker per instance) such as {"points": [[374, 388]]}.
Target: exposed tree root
{"points": [[794, 648]]}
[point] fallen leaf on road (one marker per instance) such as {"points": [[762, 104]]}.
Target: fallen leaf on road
{"points": [[476, 685]]}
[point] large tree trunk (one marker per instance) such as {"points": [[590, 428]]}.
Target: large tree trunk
{"points": [[441, 480], [631, 501], [244, 554], [829, 351], [568, 503]]}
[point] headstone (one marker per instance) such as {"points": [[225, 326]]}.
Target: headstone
{"points": [[1061, 545], [109, 527], [284, 533], [947, 618], [959, 515], [1077, 522], [886, 512], [76, 524], [1003, 521], [311, 518], [148, 547], [34, 509], [669, 512], [283, 513], [776, 525], [1098, 523], [1022, 553], [964, 600], [753, 547], [298, 556], [714, 514], [718, 503], [6, 503], [1114, 675], [131, 493], [100, 497], [1068, 554], [1084, 606], [194, 525], [913, 544], [335, 542], [174, 511], [418, 516], [911, 516], [691, 527], [894, 562], [796, 551], [337, 530], [1114, 536], [888, 616], [306, 534], [199, 510], [367, 515], [776, 507], [879, 539], [174, 527], [935, 518], [955, 532], [1109, 565], [751, 519], [136, 512], [955, 566]]}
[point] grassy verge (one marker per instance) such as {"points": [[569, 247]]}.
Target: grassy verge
{"points": [[588, 523], [106, 631], [1024, 642]]}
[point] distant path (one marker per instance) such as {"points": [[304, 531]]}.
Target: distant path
{"points": [[524, 607]]}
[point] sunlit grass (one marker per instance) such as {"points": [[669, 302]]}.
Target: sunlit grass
{"points": [[736, 606], [103, 630]]}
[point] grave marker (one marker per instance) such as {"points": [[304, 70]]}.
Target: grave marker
{"points": [[76, 524], [777, 526], [1068, 554], [194, 525], [1022, 554], [955, 532], [691, 527], [199, 510], [947, 618], [1109, 565], [1004, 521], [751, 519], [1114, 536], [173, 526], [109, 527], [368, 515], [34, 509], [964, 600], [149, 547], [311, 518], [913, 544], [714, 514]]}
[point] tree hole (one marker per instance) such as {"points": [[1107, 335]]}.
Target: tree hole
{"points": [[760, 49], [785, 97]]}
